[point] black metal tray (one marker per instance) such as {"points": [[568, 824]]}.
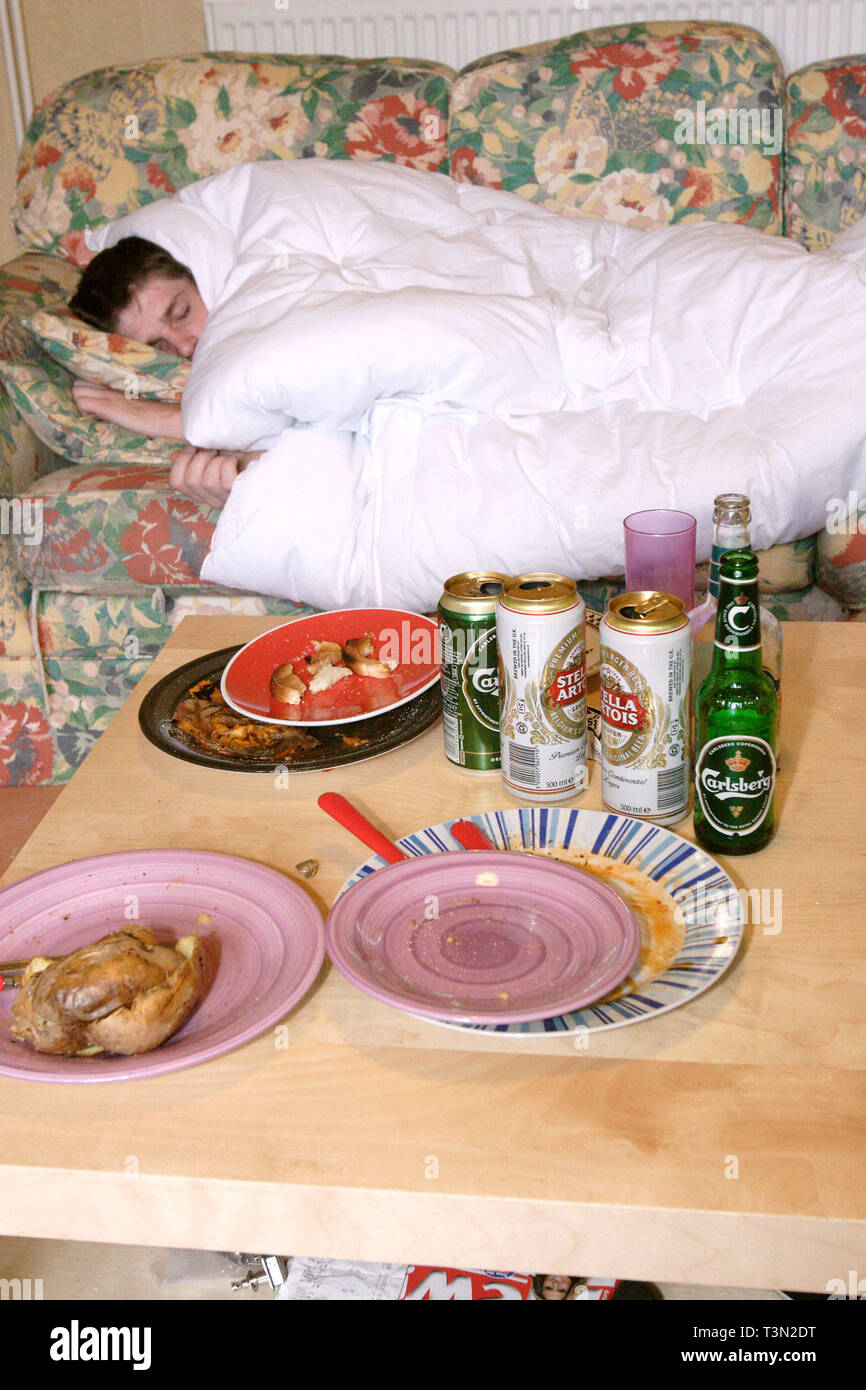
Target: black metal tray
{"points": [[384, 732]]}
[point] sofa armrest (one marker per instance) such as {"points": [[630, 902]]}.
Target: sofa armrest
{"points": [[18, 469], [19, 460]]}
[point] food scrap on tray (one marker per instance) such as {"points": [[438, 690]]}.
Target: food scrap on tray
{"points": [[326, 665], [204, 719], [126, 994]]}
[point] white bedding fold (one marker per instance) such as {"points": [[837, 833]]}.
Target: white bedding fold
{"points": [[443, 376], [416, 498]]}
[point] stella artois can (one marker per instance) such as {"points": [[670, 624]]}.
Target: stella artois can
{"points": [[646, 650], [470, 680], [540, 628]]}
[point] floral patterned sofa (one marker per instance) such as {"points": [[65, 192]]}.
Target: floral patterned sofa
{"points": [[99, 559]]}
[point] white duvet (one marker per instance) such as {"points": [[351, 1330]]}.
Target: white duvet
{"points": [[444, 377]]}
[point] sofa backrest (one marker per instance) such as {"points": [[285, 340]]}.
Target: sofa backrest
{"points": [[107, 142], [825, 183], [647, 123], [618, 123]]}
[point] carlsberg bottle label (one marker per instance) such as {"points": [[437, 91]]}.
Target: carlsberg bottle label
{"points": [[735, 777], [737, 622]]}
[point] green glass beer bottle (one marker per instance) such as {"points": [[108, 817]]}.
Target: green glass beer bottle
{"points": [[736, 717]]}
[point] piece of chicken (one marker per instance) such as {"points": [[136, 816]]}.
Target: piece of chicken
{"points": [[326, 654], [287, 687], [359, 655], [326, 676], [324, 664], [126, 994]]}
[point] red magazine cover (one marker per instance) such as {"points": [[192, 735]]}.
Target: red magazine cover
{"points": [[310, 1278], [430, 1284]]}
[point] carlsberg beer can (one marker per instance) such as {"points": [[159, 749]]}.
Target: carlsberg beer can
{"points": [[540, 627], [470, 681], [646, 649]]}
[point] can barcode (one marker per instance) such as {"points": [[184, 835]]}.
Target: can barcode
{"points": [[451, 728], [523, 765], [672, 788]]}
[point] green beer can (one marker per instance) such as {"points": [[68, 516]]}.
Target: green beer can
{"points": [[470, 675]]}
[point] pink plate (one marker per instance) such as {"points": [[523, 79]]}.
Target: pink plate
{"points": [[263, 940], [478, 937], [408, 638]]}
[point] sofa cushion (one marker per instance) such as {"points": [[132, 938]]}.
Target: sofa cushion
{"points": [[784, 568], [608, 123], [40, 388], [15, 636], [109, 625], [825, 187], [17, 470], [108, 358], [806, 606], [115, 529], [139, 624], [28, 284], [93, 650], [84, 694], [43, 416], [42, 395], [842, 552], [107, 142]]}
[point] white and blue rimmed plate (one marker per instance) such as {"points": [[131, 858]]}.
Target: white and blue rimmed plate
{"points": [[707, 903]]}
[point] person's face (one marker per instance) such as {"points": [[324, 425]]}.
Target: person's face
{"points": [[555, 1287], [167, 314]]}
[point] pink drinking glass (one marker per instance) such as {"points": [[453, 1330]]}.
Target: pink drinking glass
{"points": [[660, 553]]}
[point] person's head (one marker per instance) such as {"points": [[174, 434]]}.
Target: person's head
{"points": [[139, 290]]}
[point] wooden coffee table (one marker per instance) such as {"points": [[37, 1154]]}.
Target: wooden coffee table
{"points": [[723, 1143]]}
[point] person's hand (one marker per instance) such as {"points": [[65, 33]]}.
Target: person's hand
{"points": [[207, 475], [141, 414]]}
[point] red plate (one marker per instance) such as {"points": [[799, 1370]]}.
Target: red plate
{"points": [[409, 638]]}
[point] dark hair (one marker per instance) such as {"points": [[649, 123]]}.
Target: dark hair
{"points": [[110, 280]]}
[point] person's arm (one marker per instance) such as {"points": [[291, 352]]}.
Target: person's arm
{"points": [[156, 419], [207, 475]]}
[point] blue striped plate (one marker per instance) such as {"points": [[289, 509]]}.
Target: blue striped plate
{"points": [[707, 900]]}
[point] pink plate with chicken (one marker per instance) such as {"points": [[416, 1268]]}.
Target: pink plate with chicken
{"points": [[332, 668]]}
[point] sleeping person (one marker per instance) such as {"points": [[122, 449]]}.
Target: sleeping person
{"points": [[447, 358], [140, 291]]}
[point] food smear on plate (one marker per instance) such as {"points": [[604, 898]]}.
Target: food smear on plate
{"points": [[662, 930], [124, 994], [333, 680]]}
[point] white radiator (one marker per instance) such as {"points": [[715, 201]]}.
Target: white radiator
{"points": [[17, 66], [457, 31]]}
